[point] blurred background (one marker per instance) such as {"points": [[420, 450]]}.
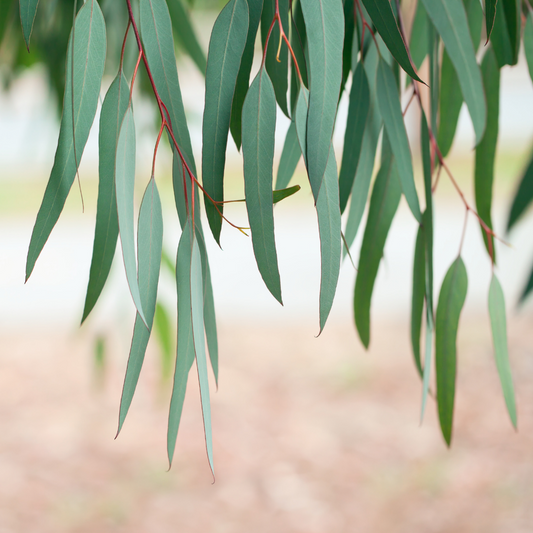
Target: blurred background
{"points": [[310, 434]]}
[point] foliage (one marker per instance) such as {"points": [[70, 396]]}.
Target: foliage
{"points": [[312, 51]]}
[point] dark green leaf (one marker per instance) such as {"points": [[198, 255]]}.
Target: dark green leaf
{"points": [[391, 111], [124, 186], [498, 322], [383, 17], [78, 115], [224, 58], [106, 231], [324, 22], [486, 149], [277, 67], [259, 124], [349, 46], [419, 290], [513, 13], [528, 42], [449, 18], [527, 289], [281, 194], [329, 227], [490, 14], [28, 10], [184, 31], [451, 300], [358, 111], [7, 13], [289, 158], [149, 246], [383, 205], [427, 217], [523, 196], [500, 39], [255, 8]]}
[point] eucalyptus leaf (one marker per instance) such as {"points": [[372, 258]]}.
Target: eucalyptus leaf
{"points": [[523, 196], [290, 156], [28, 10]]}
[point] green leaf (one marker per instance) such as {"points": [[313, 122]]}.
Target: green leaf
{"points": [[164, 334], [449, 18], [149, 245], [383, 205], [298, 42], [490, 14], [349, 46], [498, 324], [527, 289], [6, 16], [124, 185], [417, 300], [513, 14], [301, 111], [255, 8], [486, 149], [500, 39], [418, 45], [106, 230], [289, 158], [225, 50], [259, 124], [324, 22], [358, 111], [391, 111], [78, 115], [427, 364], [528, 42], [329, 227], [523, 196], [156, 33], [281, 194], [383, 17], [184, 31], [28, 10], [451, 300], [278, 70]]}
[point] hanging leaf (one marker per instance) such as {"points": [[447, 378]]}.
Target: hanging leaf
{"points": [[259, 124], [78, 115], [184, 31], [500, 39], [156, 33], [255, 8], [106, 230], [349, 46], [124, 188], [225, 50], [391, 111], [281, 194], [289, 158], [329, 227], [490, 14], [527, 289], [523, 196], [451, 300], [149, 246], [498, 322], [449, 18], [427, 365], [528, 42], [28, 10], [417, 300], [324, 22], [298, 42], [383, 17], [383, 205], [513, 14], [358, 111], [486, 149]]}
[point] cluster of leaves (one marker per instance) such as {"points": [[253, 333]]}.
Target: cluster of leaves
{"points": [[312, 51]]}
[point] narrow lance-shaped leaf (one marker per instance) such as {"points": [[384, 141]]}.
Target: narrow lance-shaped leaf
{"points": [[383, 17], [225, 50], [349, 46], [281, 194], [500, 39], [156, 33], [486, 149], [290, 156], [329, 228], [184, 31], [523, 196], [383, 205], [324, 22], [498, 322], [449, 18], [106, 230], [358, 111], [259, 123], [124, 189], [513, 14], [418, 294], [78, 115], [255, 8], [28, 10], [391, 111], [149, 246], [427, 363], [299, 45], [527, 289], [528, 42], [451, 300], [490, 14]]}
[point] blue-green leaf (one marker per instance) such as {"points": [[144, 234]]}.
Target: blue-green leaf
{"points": [[259, 124], [149, 246], [224, 58], [391, 111], [281, 194], [523, 196], [106, 230], [78, 115], [289, 158], [28, 10], [324, 22], [498, 322], [449, 18], [417, 300], [451, 300], [358, 110], [383, 17], [419, 43]]}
